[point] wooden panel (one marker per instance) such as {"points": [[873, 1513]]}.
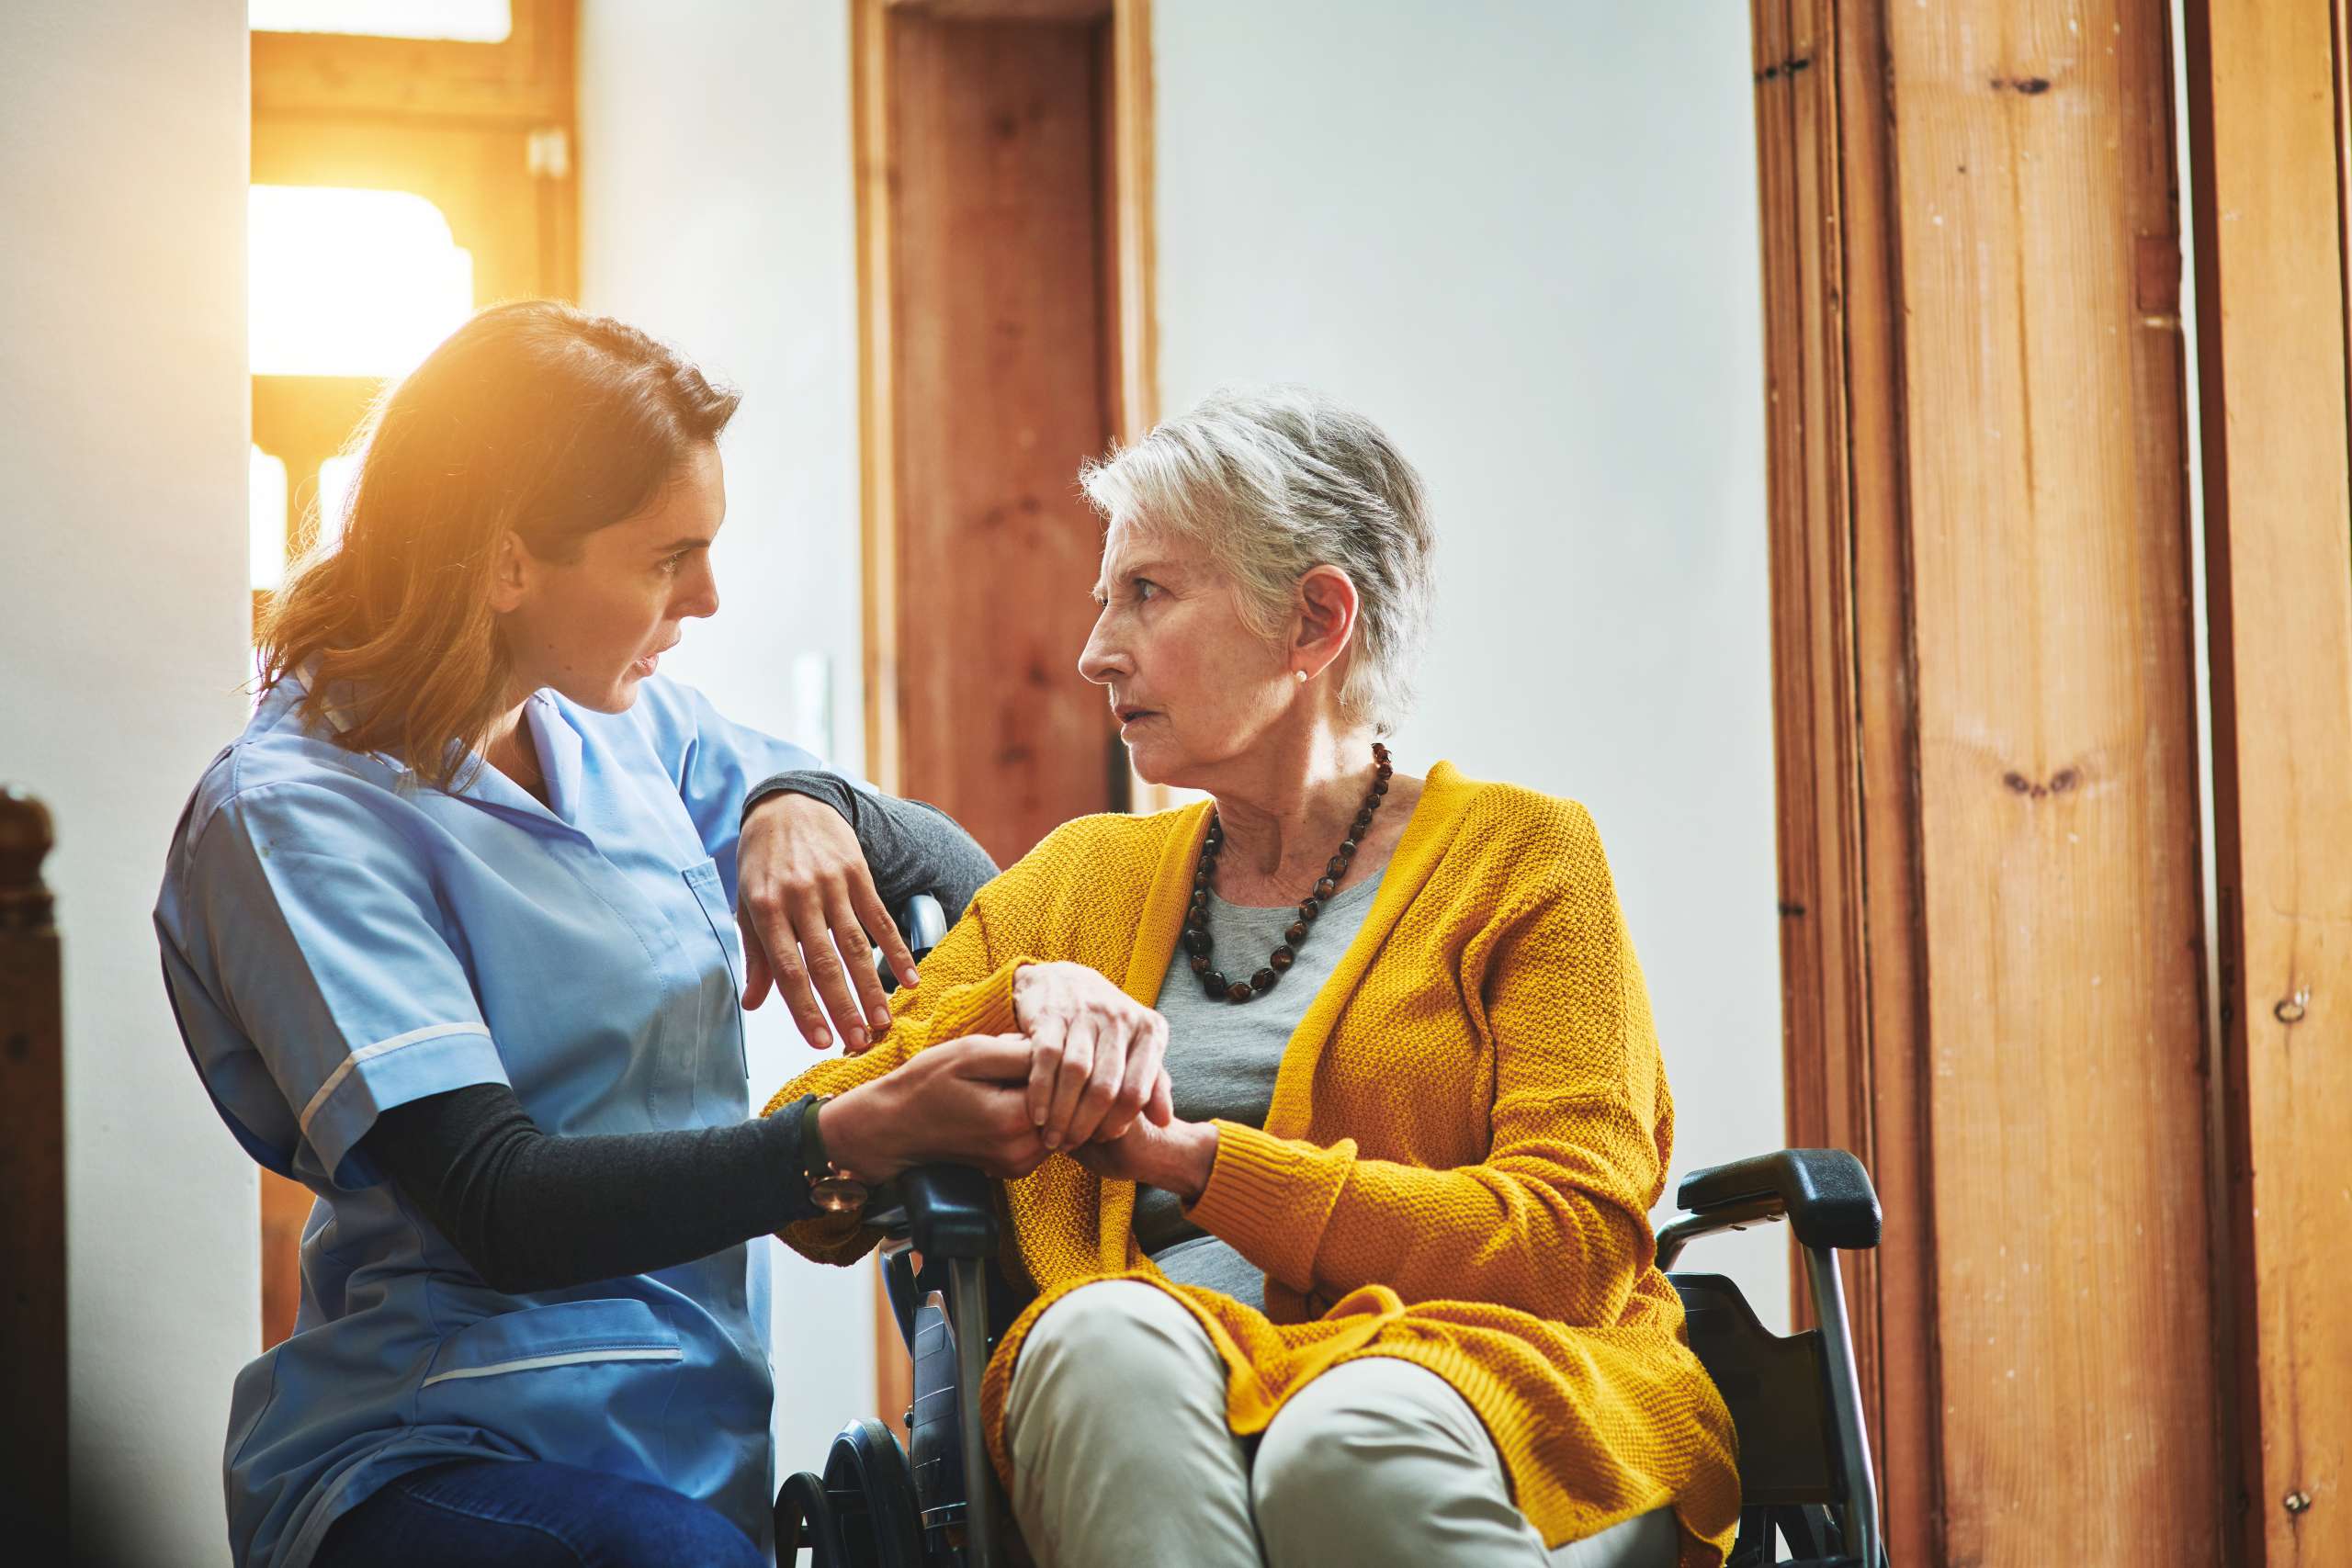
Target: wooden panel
{"points": [[2267, 128], [1844, 739], [1983, 715], [2057, 779], [32, 1191], [998, 369]]}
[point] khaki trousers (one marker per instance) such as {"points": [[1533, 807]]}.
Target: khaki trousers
{"points": [[1116, 1425]]}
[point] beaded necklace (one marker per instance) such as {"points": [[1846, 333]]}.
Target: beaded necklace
{"points": [[1197, 941]]}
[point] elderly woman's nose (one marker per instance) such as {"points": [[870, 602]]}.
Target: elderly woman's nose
{"points": [[1100, 660]]}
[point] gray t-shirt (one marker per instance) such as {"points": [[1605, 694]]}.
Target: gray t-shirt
{"points": [[1223, 1056]]}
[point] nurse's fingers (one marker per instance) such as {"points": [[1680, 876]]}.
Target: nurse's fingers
{"points": [[757, 978], [849, 935], [882, 929], [828, 974], [781, 932]]}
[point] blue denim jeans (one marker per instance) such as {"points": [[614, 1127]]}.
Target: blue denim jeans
{"points": [[529, 1513]]}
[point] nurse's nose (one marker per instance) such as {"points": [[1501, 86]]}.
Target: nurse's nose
{"points": [[700, 598]]}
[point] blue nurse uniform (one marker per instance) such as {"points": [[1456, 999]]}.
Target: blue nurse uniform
{"points": [[340, 937]]}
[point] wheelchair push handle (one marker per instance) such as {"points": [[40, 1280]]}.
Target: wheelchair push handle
{"points": [[1825, 1194]]}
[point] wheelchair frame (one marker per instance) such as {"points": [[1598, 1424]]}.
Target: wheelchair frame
{"points": [[1796, 1400]]}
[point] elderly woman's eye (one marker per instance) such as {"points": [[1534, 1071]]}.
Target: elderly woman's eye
{"points": [[1147, 589]]}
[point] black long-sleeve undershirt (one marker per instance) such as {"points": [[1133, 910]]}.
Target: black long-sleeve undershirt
{"points": [[531, 1210]]}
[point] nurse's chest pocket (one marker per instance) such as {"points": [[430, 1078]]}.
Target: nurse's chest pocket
{"points": [[711, 892], [555, 1378]]}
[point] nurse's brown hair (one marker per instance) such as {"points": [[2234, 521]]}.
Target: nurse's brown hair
{"points": [[533, 418]]}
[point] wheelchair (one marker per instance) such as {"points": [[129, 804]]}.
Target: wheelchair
{"points": [[1796, 1403]]}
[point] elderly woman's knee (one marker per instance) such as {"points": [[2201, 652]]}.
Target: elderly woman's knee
{"points": [[1116, 1333], [1331, 1449]]}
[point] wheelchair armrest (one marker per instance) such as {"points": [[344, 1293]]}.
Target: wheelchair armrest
{"points": [[947, 1211], [1824, 1192]]}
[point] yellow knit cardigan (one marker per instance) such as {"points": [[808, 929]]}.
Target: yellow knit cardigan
{"points": [[1469, 1128]]}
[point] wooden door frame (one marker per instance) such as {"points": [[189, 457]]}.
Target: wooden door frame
{"points": [[1136, 329]]}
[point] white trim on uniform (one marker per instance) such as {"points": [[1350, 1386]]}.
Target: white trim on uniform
{"points": [[569, 1358], [342, 1068]]}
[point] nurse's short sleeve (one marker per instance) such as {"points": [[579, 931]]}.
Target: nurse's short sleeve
{"points": [[327, 949]]}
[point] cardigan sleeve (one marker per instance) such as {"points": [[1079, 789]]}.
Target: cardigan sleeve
{"points": [[1554, 1221]]}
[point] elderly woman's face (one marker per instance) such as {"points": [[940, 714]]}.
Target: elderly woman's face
{"points": [[1192, 684]]}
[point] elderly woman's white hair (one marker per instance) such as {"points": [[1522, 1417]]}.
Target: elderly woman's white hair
{"points": [[1274, 481]]}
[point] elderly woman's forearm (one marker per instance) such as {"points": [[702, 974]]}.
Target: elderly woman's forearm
{"points": [[1325, 1221]]}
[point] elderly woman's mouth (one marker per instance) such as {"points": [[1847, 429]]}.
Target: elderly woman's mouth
{"points": [[1130, 715]]}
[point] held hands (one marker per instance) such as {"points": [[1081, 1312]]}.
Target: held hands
{"points": [[804, 892], [1176, 1157], [1095, 1057], [963, 1101]]}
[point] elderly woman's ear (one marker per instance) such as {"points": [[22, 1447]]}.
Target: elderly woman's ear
{"points": [[1324, 619]]}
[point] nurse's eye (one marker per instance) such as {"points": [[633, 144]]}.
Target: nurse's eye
{"points": [[670, 563]]}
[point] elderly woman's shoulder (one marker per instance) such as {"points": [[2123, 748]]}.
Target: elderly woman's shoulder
{"points": [[1535, 831], [1111, 840]]}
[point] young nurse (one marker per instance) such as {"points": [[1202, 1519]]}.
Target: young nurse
{"points": [[450, 929]]}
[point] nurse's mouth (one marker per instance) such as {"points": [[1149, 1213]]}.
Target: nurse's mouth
{"points": [[647, 665]]}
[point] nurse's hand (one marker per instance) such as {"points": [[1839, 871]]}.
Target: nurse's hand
{"points": [[1095, 1054], [962, 1101], [807, 908]]}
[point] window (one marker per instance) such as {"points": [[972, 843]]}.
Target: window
{"points": [[464, 21]]}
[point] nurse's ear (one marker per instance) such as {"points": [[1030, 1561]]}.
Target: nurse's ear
{"points": [[510, 574]]}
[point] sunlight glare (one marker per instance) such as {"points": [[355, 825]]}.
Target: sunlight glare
{"points": [[265, 503], [350, 282], [465, 21]]}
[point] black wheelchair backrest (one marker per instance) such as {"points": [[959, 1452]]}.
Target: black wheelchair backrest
{"points": [[1777, 1391]]}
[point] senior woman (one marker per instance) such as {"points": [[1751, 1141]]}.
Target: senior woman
{"points": [[1378, 1286]]}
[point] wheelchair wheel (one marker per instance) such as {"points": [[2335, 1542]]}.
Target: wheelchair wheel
{"points": [[803, 1517], [872, 1494]]}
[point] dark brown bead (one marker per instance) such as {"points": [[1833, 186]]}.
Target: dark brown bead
{"points": [[1296, 932], [1364, 820], [1200, 962], [1283, 958], [1214, 983], [1326, 887], [1338, 866], [1200, 898], [1309, 908], [1238, 991], [1348, 847], [1380, 784], [1195, 940], [1262, 981]]}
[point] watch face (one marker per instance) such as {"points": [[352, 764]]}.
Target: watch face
{"points": [[837, 1194]]}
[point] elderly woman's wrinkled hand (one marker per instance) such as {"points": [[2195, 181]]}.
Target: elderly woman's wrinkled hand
{"points": [[1095, 1054]]}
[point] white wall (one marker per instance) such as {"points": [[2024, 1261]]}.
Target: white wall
{"points": [[716, 212], [122, 643], [1522, 236]]}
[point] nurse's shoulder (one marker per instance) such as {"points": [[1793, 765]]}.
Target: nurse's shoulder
{"points": [[292, 763]]}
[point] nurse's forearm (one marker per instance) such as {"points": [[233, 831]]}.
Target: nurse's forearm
{"points": [[531, 1212], [909, 847]]}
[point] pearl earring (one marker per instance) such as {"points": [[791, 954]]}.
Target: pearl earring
{"points": [[1302, 676]]}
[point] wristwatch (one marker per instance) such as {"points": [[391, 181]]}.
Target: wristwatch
{"points": [[827, 1189]]}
